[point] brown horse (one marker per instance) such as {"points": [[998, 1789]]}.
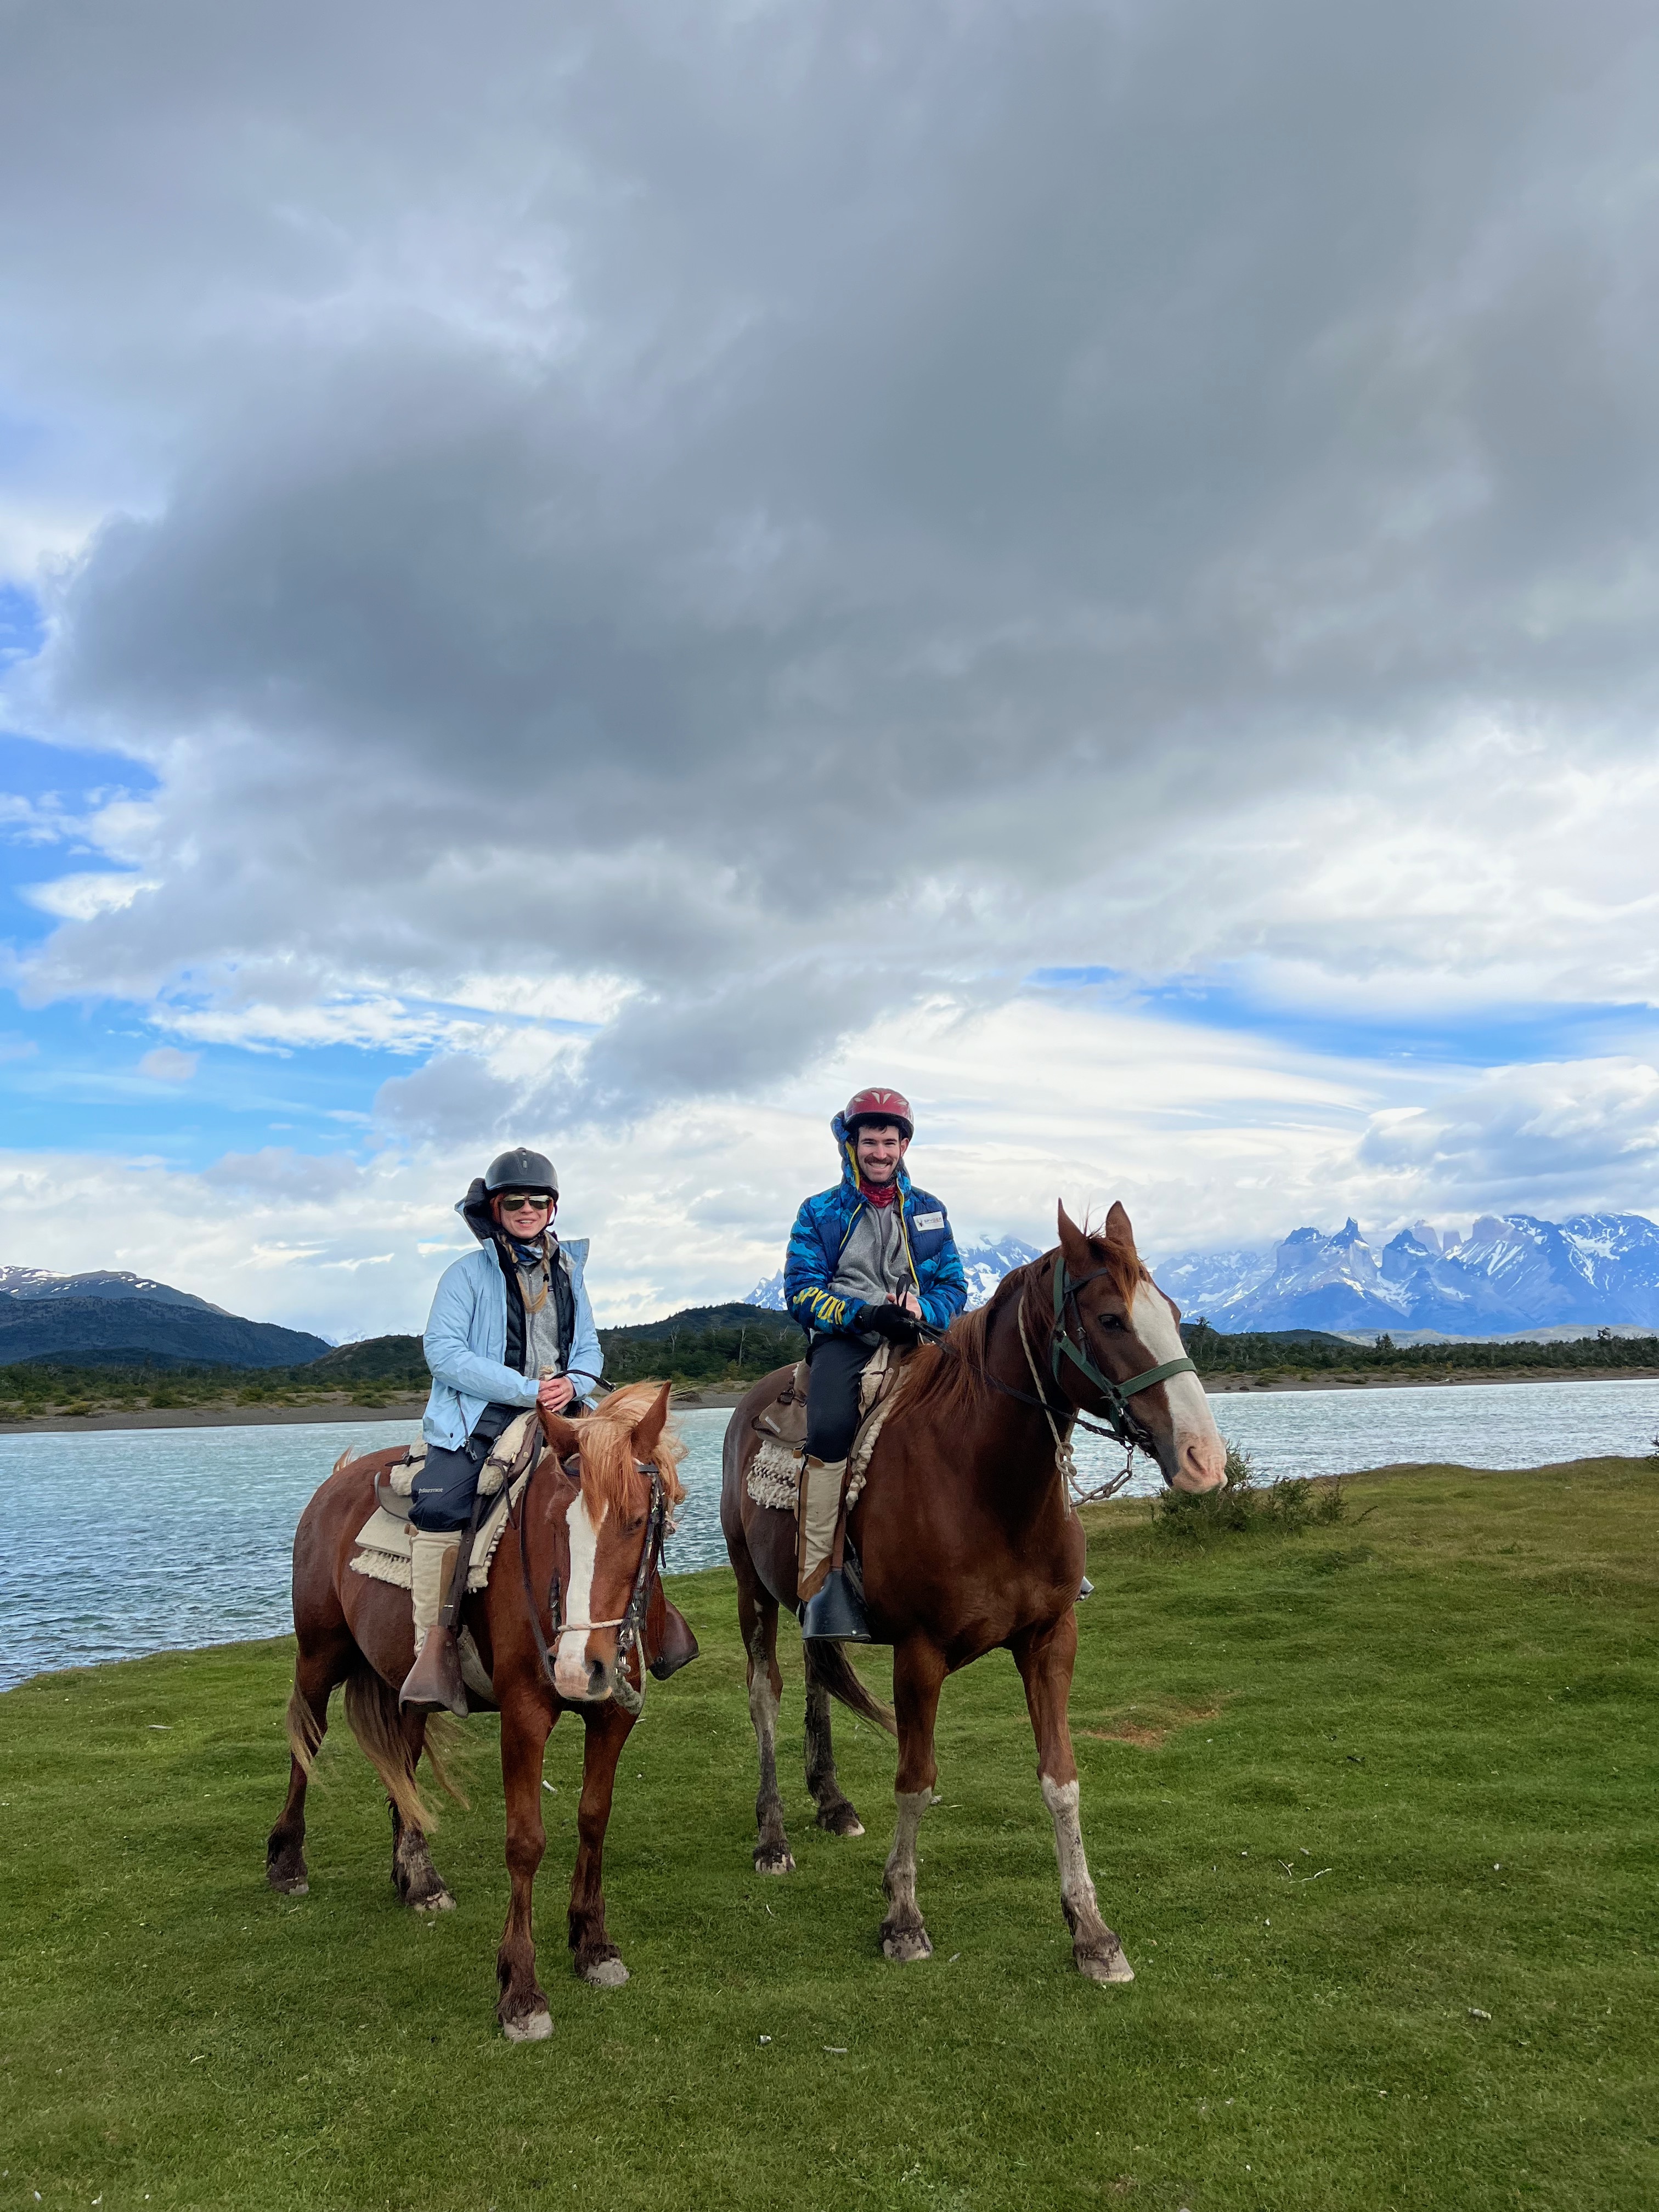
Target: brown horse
{"points": [[584, 1539], [969, 1544]]}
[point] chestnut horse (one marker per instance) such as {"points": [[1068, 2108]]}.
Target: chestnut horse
{"points": [[581, 1548], [969, 1543]]}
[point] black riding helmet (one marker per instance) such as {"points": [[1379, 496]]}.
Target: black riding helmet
{"points": [[518, 1169]]}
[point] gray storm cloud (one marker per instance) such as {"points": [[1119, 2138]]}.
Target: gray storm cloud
{"points": [[890, 496]]}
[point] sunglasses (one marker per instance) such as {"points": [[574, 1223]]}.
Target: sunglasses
{"points": [[515, 1201]]}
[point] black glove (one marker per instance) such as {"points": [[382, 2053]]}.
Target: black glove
{"points": [[893, 1322]]}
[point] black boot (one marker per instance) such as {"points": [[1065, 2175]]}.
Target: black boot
{"points": [[834, 1611]]}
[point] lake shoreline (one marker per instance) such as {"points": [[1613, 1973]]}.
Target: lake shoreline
{"points": [[411, 1409]]}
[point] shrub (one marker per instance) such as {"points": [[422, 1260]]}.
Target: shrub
{"points": [[1243, 1504]]}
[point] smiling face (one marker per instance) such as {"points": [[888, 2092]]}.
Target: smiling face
{"points": [[879, 1146], [1129, 1326], [523, 1214]]}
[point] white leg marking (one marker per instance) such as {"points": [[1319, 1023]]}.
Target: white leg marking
{"points": [[909, 1941], [763, 1706], [570, 1664], [1099, 1953]]}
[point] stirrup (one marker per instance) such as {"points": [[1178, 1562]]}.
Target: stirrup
{"points": [[679, 1647], [835, 1613]]}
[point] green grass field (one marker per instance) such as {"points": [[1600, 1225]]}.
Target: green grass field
{"points": [[1371, 1806]]}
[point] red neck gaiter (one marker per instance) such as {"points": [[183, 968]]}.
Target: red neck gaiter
{"points": [[884, 1196]]}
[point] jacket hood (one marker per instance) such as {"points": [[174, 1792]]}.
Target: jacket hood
{"points": [[849, 1158]]}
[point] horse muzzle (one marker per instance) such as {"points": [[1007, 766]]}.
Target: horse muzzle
{"points": [[1200, 1466], [581, 1676]]}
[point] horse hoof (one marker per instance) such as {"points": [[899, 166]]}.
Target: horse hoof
{"points": [[437, 1900], [906, 1946], [605, 1973], [289, 1884], [1105, 1967], [534, 2028], [776, 1860], [840, 1820]]}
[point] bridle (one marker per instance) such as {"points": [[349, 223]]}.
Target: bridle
{"points": [[630, 1622], [1119, 1421]]}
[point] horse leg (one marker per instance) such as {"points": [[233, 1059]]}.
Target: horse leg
{"points": [[317, 1674], [757, 1617], [1045, 1662], [918, 1677], [416, 1879], [835, 1811], [523, 2009], [593, 1956]]}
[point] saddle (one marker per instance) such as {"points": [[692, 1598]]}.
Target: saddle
{"points": [[384, 1548], [774, 1476]]}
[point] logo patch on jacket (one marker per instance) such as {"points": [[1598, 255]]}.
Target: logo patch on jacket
{"points": [[928, 1221]]}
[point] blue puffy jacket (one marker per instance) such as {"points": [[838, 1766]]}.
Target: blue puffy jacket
{"points": [[823, 1226]]}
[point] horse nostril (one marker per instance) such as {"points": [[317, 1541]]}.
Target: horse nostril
{"points": [[596, 1679]]}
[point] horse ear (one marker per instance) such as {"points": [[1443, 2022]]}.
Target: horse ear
{"points": [[648, 1430], [1119, 1233], [1073, 1244], [563, 1436]]}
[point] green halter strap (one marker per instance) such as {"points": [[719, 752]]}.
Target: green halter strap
{"points": [[1114, 1394]]}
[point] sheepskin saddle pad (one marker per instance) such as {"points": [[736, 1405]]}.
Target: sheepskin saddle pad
{"points": [[383, 1551], [774, 1475]]}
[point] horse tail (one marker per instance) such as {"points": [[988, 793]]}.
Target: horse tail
{"points": [[443, 1740], [371, 1708], [305, 1731], [828, 1667]]}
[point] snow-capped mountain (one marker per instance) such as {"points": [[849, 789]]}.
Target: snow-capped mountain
{"points": [[1510, 1272], [100, 1283], [983, 1265]]}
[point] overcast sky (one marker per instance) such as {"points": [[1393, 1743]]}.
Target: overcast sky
{"points": [[599, 576]]}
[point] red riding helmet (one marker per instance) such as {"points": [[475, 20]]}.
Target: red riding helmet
{"points": [[879, 1105]]}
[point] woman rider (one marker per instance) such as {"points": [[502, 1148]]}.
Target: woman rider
{"points": [[510, 1327]]}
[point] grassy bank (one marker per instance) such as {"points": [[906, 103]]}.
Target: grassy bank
{"points": [[1371, 1805]]}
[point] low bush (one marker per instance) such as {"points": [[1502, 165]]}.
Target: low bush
{"points": [[1242, 1505]]}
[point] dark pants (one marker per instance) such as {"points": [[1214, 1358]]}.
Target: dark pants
{"points": [[448, 1480], [835, 1364]]}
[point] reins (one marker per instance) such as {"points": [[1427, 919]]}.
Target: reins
{"points": [[1120, 1423]]}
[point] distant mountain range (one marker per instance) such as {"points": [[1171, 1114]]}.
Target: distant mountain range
{"points": [[104, 1315], [1512, 1274]]}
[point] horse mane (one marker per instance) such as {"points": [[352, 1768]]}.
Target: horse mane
{"points": [[949, 1379], [609, 1475], [952, 1385]]}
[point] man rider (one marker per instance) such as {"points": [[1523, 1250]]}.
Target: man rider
{"points": [[510, 1327], [867, 1261]]}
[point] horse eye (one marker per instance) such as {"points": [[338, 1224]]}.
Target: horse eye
{"points": [[1110, 1321]]}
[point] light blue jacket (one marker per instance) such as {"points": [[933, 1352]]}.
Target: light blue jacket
{"points": [[465, 1343]]}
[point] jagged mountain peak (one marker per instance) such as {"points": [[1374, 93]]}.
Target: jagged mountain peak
{"points": [[1512, 1272]]}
